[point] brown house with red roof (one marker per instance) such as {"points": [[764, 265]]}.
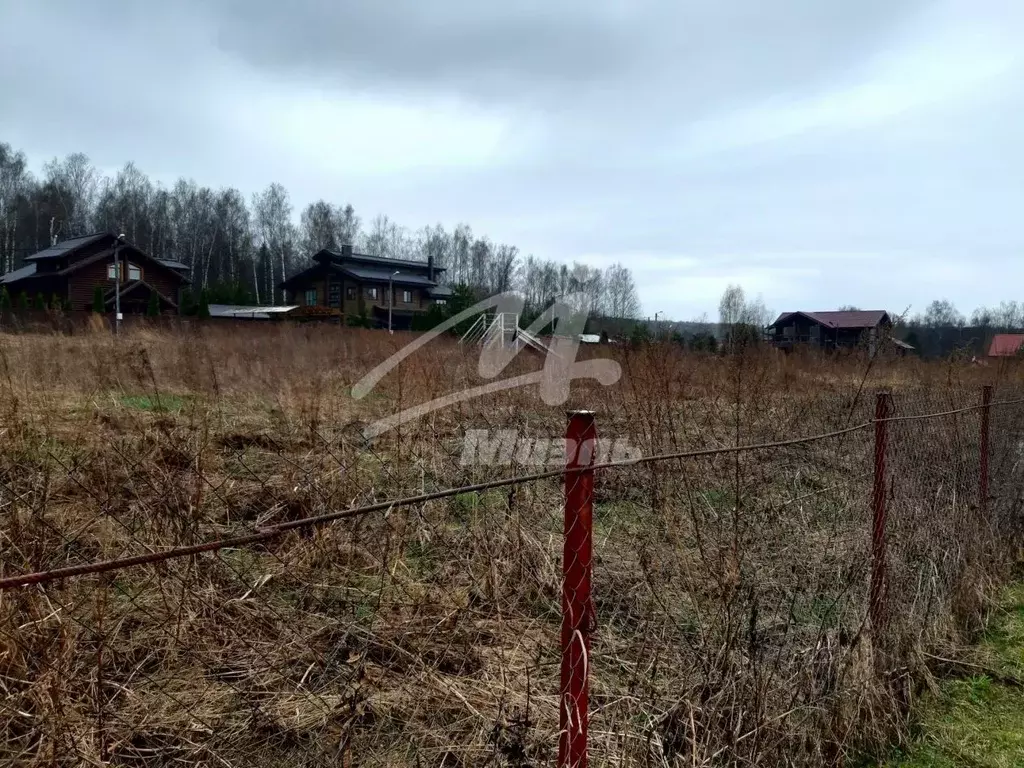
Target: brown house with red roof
{"points": [[832, 330], [71, 271]]}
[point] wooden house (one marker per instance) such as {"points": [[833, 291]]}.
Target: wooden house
{"points": [[346, 283], [71, 271], [831, 330]]}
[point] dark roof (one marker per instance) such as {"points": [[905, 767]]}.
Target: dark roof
{"points": [[171, 264], [71, 244], [381, 261], [440, 291], [384, 275], [839, 319], [19, 274], [1005, 344], [370, 272]]}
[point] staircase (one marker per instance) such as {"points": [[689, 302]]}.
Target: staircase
{"points": [[502, 328]]}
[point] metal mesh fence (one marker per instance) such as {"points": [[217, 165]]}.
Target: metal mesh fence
{"points": [[266, 585]]}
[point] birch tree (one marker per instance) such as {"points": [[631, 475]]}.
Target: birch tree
{"points": [[14, 179], [272, 210], [77, 182]]}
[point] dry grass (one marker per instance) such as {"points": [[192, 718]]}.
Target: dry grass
{"points": [[731, 591]]}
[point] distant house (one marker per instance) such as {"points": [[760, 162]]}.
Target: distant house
{"points": [[1006, 345], [831, 330], [71, 271], [351, 284]]}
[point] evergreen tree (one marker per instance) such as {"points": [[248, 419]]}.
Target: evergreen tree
{"points": [[97, 300], [640, 335], [189, 305], [204, 304], [40, 301], [5, 300], [22, 301], [153, 309], [56, 303], [703, 342]]}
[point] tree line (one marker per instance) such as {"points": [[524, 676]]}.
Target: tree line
{"points": [[239, 247]]}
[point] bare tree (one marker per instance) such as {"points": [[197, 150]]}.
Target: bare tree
{"points": [[731, 306], [479, 257], [14, 179], [735, 308], [76, 182], [623, 300], [235, 236], [434, 243], [123, 205], [319, 228], [349, 226], [387, 240], [272, 212], [1008, 315], [459, 270], [941, 313], [502, 270]]}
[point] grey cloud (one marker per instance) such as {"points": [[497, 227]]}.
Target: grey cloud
{"points": [[606, 51]]}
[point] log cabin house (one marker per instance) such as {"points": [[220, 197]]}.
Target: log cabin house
{"points": [[71, 270], [832, 330], [350, 284]]}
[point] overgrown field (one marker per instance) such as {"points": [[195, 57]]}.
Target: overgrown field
{"points": [[731, 590], [976, 717]]}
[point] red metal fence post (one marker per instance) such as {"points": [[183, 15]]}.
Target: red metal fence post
{"points": [[878, 545], [986, 407], [577, 607]]}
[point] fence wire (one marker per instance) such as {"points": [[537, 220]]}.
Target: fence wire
{"points": [[220, 583]]}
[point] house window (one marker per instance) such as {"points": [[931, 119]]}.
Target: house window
{"points": [[442, 302], [133, 272], [311, 297], [371, 293], [350, 292], [407, 297]]}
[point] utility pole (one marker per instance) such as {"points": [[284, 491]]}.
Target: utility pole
{"points": [[391, 297], [117, 286]]}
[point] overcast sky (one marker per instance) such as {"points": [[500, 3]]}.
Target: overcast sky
{"points": [[819, 152]]}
